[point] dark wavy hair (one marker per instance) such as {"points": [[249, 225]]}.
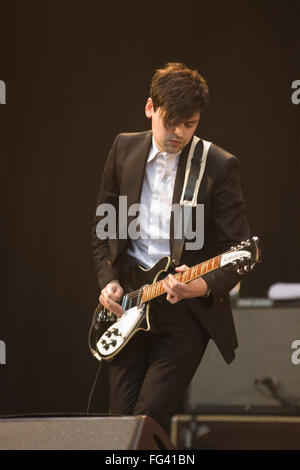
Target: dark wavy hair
{"points": [[179, 91]]}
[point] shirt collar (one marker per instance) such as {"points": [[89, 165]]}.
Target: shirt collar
{"points": [[155, 150]]}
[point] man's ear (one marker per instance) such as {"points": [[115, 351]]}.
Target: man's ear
{"points": [[149, 108]]}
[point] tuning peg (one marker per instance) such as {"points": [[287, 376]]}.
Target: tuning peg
{"points": [[240, 271], [247, 268], [252, 266]]}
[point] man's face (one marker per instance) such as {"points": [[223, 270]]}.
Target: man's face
{"points": [[170, 139]]}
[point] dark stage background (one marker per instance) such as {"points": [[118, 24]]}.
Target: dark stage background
{"points": [[77, 73]]}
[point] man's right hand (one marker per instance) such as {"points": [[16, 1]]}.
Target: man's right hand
{"points": [[110, 296]]}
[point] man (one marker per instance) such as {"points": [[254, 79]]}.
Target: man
{"points": [[149, 376]]}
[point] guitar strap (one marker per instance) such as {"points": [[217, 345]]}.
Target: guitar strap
{"points": [[193, 176]]}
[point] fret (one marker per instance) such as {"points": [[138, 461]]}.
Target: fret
{"points": [[154, 290], [145, 294]]}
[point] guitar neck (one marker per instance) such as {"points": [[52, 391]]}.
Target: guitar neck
{"points": [[156, 289]]}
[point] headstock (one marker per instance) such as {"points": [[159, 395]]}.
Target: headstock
{"points": [[243, 257]]}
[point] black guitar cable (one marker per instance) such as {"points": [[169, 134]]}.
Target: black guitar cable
{"points": [[93, 388], [93, 328]]}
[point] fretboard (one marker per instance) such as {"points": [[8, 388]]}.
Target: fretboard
{"points": [[156, 289]]}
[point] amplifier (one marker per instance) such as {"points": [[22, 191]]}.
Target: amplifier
{"points": [[83, 433], [242, 432], [263, 373]]}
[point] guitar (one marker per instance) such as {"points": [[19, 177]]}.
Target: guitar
{"points": [[146, 285]]}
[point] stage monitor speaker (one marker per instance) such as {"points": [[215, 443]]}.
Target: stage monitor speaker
{"points": [[83, 433], [227, 432], [263, 364]]}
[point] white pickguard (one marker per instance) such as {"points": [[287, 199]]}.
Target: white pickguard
{"points": [[117, 334]]}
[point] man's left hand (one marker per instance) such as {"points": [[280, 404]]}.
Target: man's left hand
{"points": [[177, 290]]}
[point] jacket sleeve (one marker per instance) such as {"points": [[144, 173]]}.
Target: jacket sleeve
{"points": [[108, 194], [230, 227]]}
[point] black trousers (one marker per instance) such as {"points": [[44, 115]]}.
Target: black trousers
{"points": [[150, 375]]}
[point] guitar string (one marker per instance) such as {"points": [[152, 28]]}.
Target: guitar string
{"points": [[139, 293], [136, 293], [179, 276]]}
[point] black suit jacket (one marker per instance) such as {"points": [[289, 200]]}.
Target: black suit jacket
{"points": [[225, 223]]}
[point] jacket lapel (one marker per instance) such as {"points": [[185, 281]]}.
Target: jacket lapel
{"points": [[133, 173], [131, 185]]}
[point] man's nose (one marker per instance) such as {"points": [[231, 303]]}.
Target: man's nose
{"points": [[178, 130]]}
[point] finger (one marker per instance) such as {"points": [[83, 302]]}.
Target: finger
{"points": [[183, 267], [114, 294], [110, 304], [114, 290], [172, 299], [172, 280], [173, 291], [175, 285], [177, 289], [167, 286]]}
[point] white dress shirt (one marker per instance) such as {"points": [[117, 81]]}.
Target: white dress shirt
{"points": [[153, 241]]}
